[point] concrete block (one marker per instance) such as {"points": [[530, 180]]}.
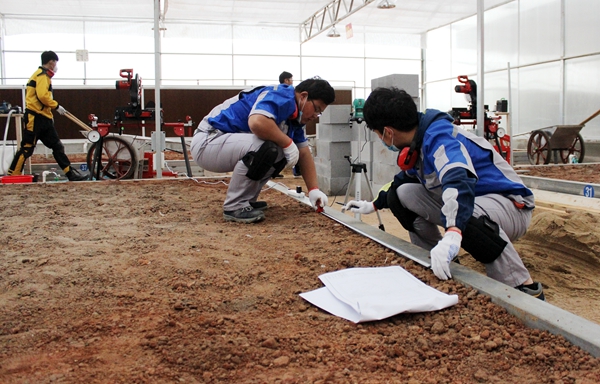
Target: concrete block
{"points": [[361, 152], [410, 83], [333, 151], [336, 114], [332, 168], [383, 174], [334, 132], [332, 186]]}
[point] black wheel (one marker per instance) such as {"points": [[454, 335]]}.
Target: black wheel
{"points": [[538, 148], [118, 159], [577, 148]]}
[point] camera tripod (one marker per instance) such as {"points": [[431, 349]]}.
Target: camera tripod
{"points": [[356, 175]]}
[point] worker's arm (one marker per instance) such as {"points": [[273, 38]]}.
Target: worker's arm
{"points": [[266, 129], [42, 90]]}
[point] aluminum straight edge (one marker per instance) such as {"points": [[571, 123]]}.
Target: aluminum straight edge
{"points": [[532, 312], [561, 186]]}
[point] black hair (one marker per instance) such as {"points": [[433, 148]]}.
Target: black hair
{"points": [[47, 56], [284, 76], [390, 107], [318, 89]]}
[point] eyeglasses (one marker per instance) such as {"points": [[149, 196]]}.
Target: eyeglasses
{"points": [[318, 111]]}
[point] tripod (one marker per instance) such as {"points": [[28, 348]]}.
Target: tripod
{"points": [[357, 170]]}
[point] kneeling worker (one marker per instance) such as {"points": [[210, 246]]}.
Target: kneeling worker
{"points": [[255, 135], [451, 178]]}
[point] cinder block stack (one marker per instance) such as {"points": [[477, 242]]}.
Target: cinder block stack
{"points": [[333, 142]]}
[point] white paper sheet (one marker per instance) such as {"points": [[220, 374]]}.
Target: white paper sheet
{"points": [[368, 294]]}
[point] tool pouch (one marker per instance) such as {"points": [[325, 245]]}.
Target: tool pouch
{"points": [[481, 238], [259, 162]]}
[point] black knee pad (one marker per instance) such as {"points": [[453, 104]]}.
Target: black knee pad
{"points": [[405, 216], [261, 161], [481, 238]]}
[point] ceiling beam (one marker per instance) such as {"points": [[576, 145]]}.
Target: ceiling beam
{"points": [[326, 17]]}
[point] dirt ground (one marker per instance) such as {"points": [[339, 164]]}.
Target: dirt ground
{"points": [[143, 282]]}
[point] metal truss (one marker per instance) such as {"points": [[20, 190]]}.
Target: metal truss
{"points": [[323, 19]]}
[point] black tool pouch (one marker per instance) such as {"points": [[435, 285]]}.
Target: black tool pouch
{"points": [[481, 238]]}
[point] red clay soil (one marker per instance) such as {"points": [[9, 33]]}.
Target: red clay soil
{"points": [[143, 282]]}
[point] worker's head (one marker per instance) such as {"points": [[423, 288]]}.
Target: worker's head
{"points": [[49, 60], [48, 56], [314, 93], [286, 78], [392, 114]]}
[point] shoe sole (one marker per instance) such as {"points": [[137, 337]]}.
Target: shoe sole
{"points": [[245, 221]]}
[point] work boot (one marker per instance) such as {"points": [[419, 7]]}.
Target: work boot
{"points": [[74, 175], [259, 205], [536, 290], [244, 215]]}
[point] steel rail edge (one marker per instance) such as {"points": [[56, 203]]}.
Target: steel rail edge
{"points": [[531, 311], [576, 188]]}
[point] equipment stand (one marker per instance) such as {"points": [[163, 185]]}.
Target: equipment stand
{"points": [[356, 175]]}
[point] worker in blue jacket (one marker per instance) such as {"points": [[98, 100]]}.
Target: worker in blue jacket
{"points": [[454, 179], [255, 135]]}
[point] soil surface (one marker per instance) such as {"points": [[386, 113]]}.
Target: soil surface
{"points": [[143, 282]]}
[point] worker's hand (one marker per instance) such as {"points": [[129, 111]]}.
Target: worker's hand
{"points": [[317, 198], [291, 154], [361, 206], [443, 253], [61, 110]]}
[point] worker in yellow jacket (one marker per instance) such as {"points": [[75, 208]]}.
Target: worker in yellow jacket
{"points": [[39, 122]]}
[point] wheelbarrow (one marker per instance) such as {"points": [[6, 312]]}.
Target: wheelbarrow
{"points": [[562, 142]]}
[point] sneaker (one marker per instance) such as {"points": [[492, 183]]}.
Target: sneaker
{"points": [[296, 171], [536, 290], [259, 205], [244, 215], [74, 175]]}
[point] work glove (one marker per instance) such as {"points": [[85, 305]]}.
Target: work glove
{"points": [[61, 110], [443, 253], [362, 206], [291, 154], [317, 198]]}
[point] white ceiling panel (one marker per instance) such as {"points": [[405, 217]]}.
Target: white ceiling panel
{"points": [[408, 16]]}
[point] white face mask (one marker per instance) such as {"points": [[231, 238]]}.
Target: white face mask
{"points": [[299, 119]]}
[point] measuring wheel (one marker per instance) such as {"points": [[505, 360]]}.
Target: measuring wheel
{"points": [[118, 158], [538, 148], [577, 149]]}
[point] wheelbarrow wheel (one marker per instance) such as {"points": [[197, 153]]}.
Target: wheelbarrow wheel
{"points": [[538, 148], [577, 149], [118, 159]]}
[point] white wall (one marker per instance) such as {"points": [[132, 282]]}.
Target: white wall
{"points": [[554, 58], [197, 54]]}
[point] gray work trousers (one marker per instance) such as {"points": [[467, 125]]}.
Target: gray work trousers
{"points": [[223, 152], [508, 268]]}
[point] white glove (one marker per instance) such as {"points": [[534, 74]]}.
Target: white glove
{"points": [[315, 195], [443, 253], [61, 110], [291, 154], [362, 206]]}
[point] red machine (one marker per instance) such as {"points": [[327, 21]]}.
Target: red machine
{"points": [[468, 116], [114, 156]]}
